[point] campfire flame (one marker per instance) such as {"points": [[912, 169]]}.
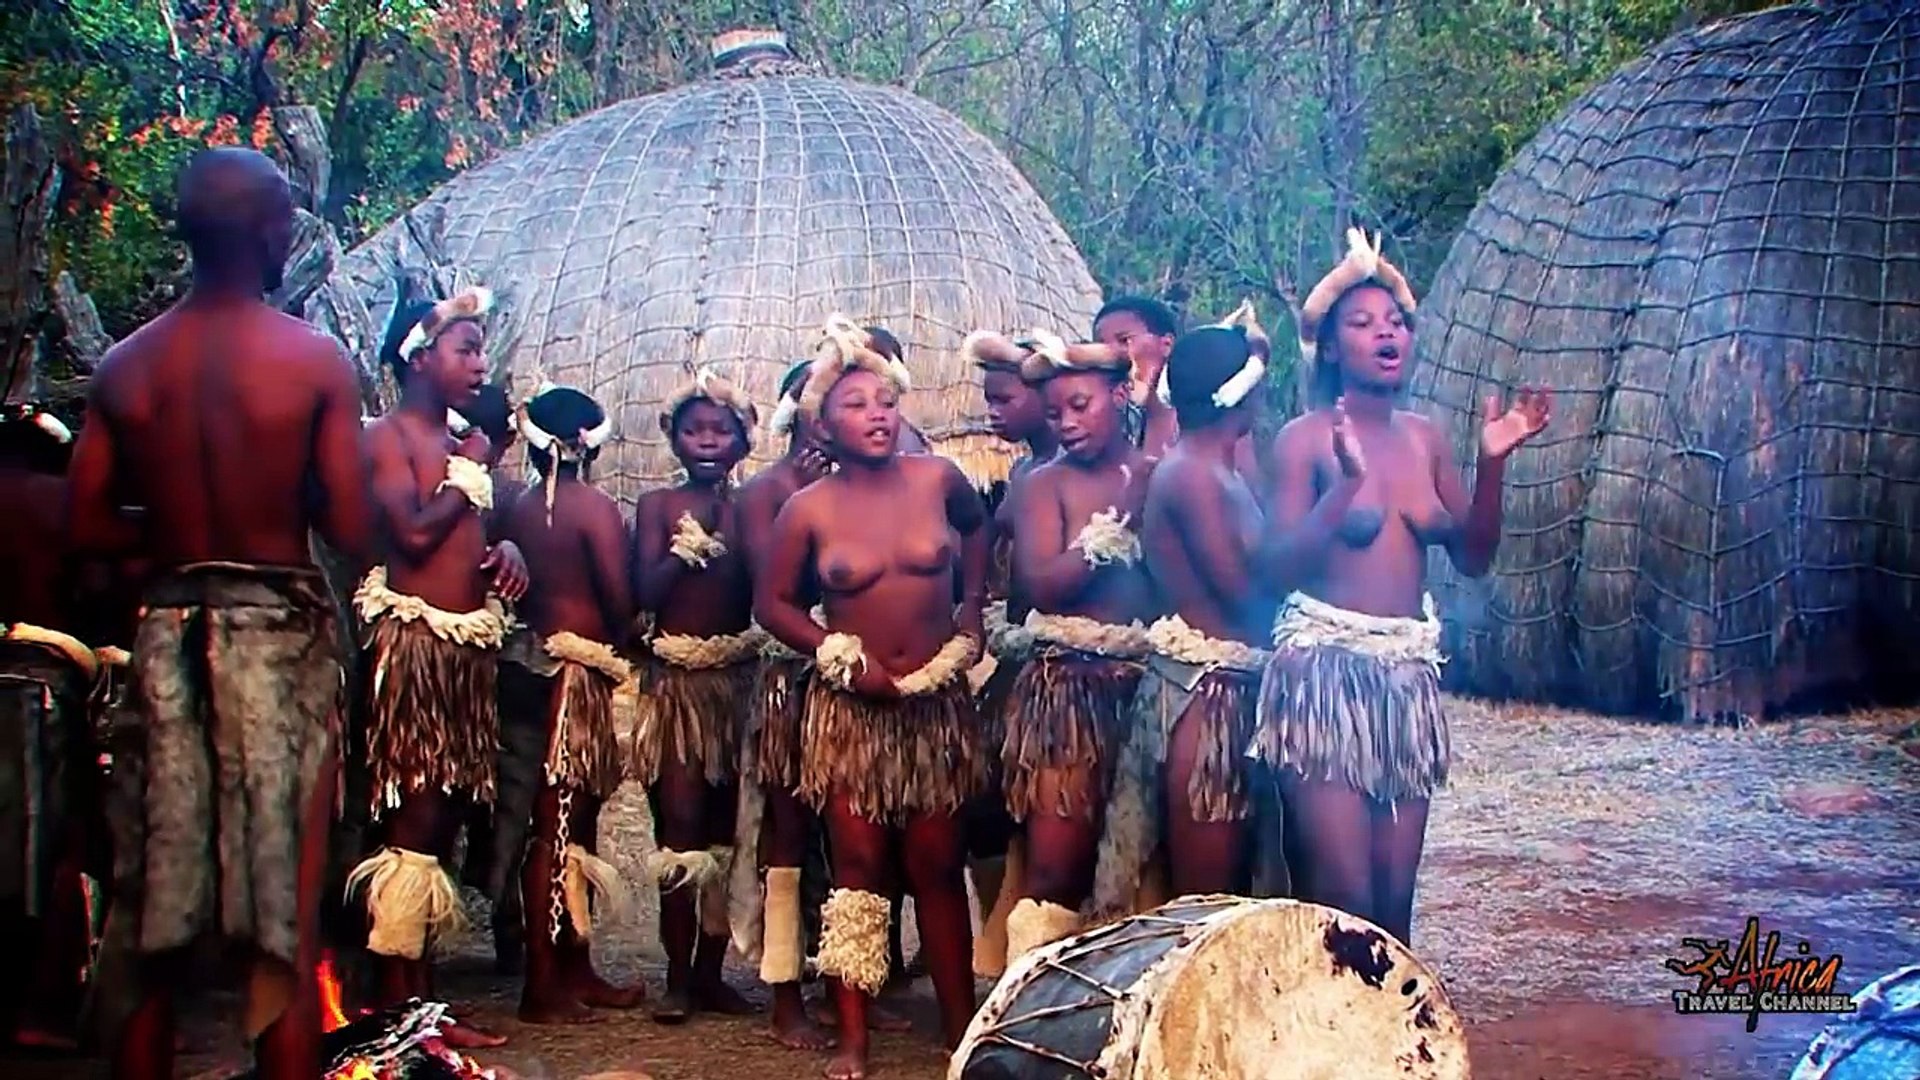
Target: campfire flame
{"points": [[332, 1016]]}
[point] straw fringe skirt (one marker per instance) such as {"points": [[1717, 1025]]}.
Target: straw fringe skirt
{"points": [[1355, 699], [238, 678], [893, 760], [1067, 717], [780, 701], [433, 721], [691, 717]]}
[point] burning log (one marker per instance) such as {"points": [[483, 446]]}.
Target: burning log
{"points": [[398, 1043]]}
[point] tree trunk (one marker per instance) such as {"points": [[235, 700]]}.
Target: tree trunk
{"points": [[86, 340], [27, 189], [303, 137]]}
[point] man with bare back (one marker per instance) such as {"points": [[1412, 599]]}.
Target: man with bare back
{"points": [[434, 618], [691, 573], [209, 417], [562, 666]]}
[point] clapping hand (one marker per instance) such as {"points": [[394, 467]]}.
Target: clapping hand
{"points": [[1506, 429], [1346, 445]]}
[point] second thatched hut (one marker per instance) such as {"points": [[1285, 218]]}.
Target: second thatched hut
{"points": [[1714, 259], [720, 223]]}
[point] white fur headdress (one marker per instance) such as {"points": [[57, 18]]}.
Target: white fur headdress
{"points": [[707, 384], [1259, 351], [469, 303], [562, 447], [29, 412], [845, 348], [1050, 355], [1363, 262]]}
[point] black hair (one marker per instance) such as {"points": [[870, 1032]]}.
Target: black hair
{"points": [[795, 377], [406, 315], [1157, 317], [1324, 385], [564, 413], [29, 446], [1201, 362], [885, 343], [492, 413]]}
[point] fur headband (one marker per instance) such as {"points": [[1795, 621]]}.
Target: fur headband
{"points": [[1259, 351], [709, 386], [1049, 355], [994, 352], [846, 348], [468, 304], [1363, 263], [561, 447], [28, 412]]}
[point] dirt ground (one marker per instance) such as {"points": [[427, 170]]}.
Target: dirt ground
{"points": [[1568, 859]]}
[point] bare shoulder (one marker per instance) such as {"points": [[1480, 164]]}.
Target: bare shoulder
{"points": [[1304, 434], [935, 468]]}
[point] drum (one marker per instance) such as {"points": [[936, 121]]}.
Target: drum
{"points": [[1218, 988], [1880, 1041]]}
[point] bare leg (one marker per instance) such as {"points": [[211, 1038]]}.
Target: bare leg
{"points": [[289, 1046], [860, 861], [1334, 841], [146, 1045], [1061, 850], [784, 839], [1399, 834], [546, 997], [679, 806], [935, 864], [710, 990], [1202, 856], [577, 956]]}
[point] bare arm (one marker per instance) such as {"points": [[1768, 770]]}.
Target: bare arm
{"points": [[346, 518], [967, 513], [1300, 529], [1049, 572], [416, 528], [779, 589], [656, 570], [94, 521], [606, 552], [753, 521], [1477, 538]]}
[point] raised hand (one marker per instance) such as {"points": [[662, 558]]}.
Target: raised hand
{"points": [[1505, 429], [509, 570], [1346, 445], [474, 446]]}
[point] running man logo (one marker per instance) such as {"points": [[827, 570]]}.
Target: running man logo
{"points": [[1752, 981]]}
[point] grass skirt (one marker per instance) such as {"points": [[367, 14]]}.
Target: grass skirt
{"points": [[1355, 699], [1068, 713], [691, 717], [893, 760], [433, 719]]}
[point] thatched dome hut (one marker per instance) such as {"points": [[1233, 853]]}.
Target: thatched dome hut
{"points": [[720, 223], [1713, 258]]}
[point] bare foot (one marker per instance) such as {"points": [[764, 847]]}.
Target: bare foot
{"points": [[672, 1007], [597, 993], [559, 1009], [463, 1035], [718, 997], [795, 1030], [847, 1065]]}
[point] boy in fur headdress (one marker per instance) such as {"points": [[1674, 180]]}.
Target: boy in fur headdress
{"points": [[47, 779], [434, 618], [562, 666], [696, 686]]}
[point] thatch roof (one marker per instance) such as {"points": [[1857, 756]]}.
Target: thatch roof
{"points": [[1714, 260], [720, 223]]}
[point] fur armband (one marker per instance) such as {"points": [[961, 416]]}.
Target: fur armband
{"points": [[471, 479], [1105, 538], [693, 544]]}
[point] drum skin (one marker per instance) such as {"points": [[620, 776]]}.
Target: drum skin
{"points": [[1880, 1041], [1218, 988]]}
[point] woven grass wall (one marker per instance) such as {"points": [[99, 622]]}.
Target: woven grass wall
{"points": [[719, 223], [1714, 260]]}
